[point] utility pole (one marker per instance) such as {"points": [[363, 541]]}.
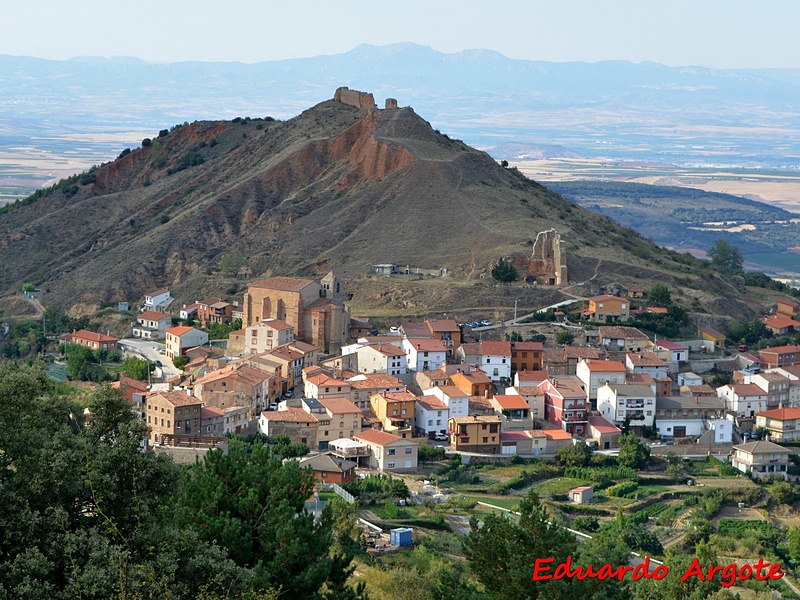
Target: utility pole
{"points": [[515, 310]]}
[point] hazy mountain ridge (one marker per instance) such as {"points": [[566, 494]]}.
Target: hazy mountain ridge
{"points": [[478, 95]]}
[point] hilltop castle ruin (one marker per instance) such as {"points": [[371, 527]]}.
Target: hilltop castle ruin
{"points": [[362, 100]]}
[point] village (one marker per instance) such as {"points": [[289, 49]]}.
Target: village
{"points": [[301, 366]]}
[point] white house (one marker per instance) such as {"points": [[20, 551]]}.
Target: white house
{"points": [[495, 360], [431, 415], [617, 403], [744, 399], [382, 358], [157, 300], [689, 379], [682, 416], [424, 354], [722, 428], [595, 373], [267, 334], [181, 338], [455, 399], [646, 362], [672, 351], [151, 325]]}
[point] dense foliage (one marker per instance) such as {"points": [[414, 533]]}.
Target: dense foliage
{"points": [[84, 513]]}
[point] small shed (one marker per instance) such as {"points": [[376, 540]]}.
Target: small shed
{"points": [[581, 495], [402, 536]]}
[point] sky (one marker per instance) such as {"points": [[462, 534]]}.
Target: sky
{"points": [[710, 33]]}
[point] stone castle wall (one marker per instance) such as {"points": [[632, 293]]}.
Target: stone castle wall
{"points": [[361, 100]]}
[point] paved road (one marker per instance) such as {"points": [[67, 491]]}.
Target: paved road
{"points": [[150, 350]]}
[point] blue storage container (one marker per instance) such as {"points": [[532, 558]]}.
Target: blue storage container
{"points": [[401, 536]]}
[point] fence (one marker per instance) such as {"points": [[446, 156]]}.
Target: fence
{"points": [[346, 496]]}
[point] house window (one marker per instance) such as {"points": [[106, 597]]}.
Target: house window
{"points": [[504, 361], [390, 465], [408, 449], [485, 440], [390, 452], [430, 422], [438, 413], [487, 361]]}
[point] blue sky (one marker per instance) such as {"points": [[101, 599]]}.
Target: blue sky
{"points": [[712, 33]]}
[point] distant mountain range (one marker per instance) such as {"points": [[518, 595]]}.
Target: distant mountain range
{"points": [[613, 109]]}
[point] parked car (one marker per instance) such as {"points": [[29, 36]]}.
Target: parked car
{"points": [[441, 437], [743, 348], [486, 323], [394, 330], [273, 406], [288, 393], [158, 363]]}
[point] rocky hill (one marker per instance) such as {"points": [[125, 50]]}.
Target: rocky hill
{"points": [[340, 185]]}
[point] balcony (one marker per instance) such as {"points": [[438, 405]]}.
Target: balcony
{"points": [[571, 418]]}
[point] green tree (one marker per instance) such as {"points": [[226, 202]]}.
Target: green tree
{"points": [[575, 455], [266, 528], [136, 368], [783, 492], [500, 552], [504, 272], [632, 452], [726, 257], [660, 294], [180, 362], [231, 264], [81, 503], [565, 337], [28, 288], [794, 542]]}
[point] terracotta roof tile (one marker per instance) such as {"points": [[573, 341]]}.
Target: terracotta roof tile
{"points": [[374, 436]]}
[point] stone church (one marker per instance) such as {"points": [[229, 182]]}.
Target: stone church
{"points": [[315, 309]]}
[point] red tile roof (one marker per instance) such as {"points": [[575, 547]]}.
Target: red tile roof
{"points": [[511, 402], [276, 324], [605, 366], [91, 336], [602, 425], [340, 406], [748, 389], [152, 315], [179, 330], [431, 403], [381, 438], [781, 414], [452, 391], [618, 332], [557, 434], [376, 381], [491, 348], [292, 414], [178, 398], [645, 359], [427, 345], [527, 346], [210, 412], [442, 325]]}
